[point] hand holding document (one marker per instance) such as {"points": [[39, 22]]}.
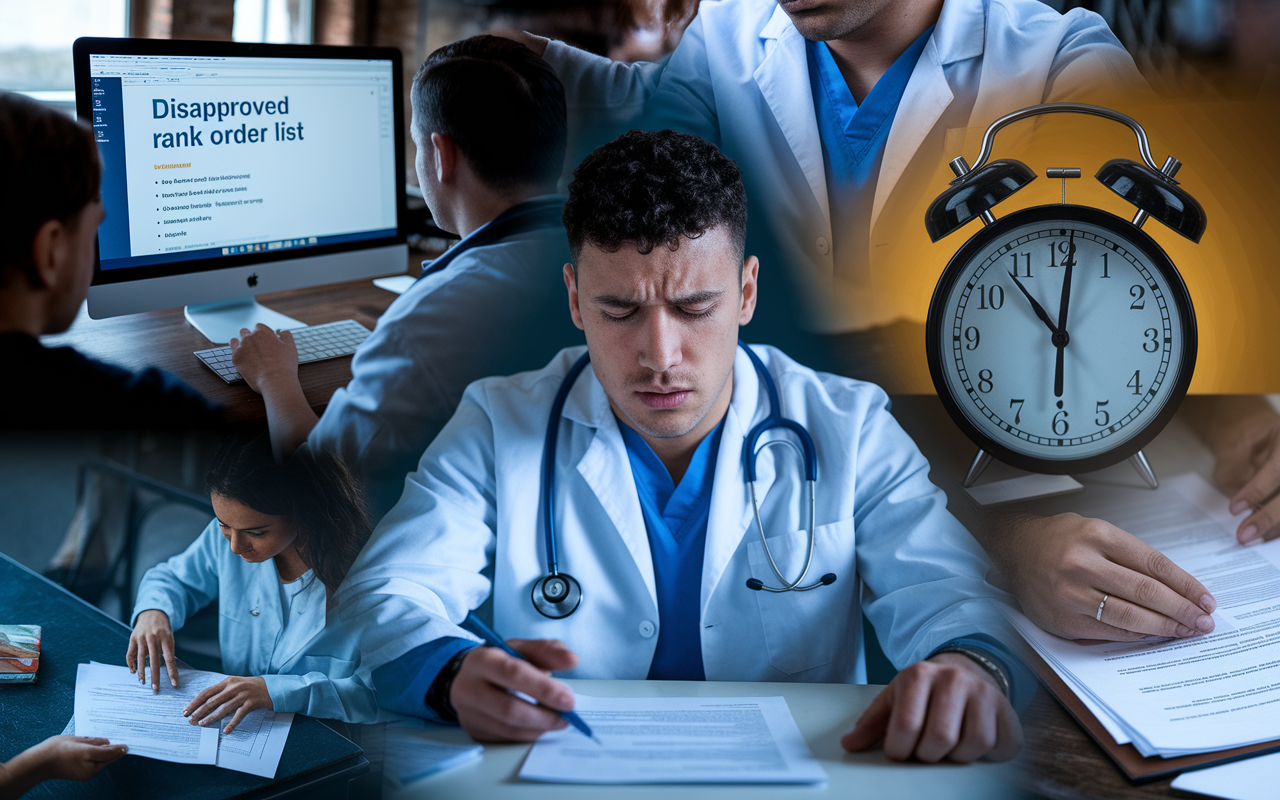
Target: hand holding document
{"points": [[677, 740], [1185, 696], [111, 703]]}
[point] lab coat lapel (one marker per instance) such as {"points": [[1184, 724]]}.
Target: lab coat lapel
{"points": [[607, 471], [730, 517], [783, 78], [958, 35]]}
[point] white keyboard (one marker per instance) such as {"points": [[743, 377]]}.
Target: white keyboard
{"points": [[315, 343]]}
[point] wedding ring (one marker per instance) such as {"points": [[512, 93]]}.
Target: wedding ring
{"points": [[1100, 605]]}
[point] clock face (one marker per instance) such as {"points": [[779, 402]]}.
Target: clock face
{"points": [[1061, 338]]}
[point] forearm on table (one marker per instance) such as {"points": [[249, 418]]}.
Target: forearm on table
{"points": [[289, 415]]}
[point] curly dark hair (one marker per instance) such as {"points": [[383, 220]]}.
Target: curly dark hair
{"points": [[649, 188], [316, 492], [501, 104]]}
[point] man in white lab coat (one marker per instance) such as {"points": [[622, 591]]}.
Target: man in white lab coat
{"points": [[843, 115], [653, 516]]}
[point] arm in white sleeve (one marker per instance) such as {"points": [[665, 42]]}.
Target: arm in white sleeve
{"points": [[420, 573], [185, 583], [922, 573]]}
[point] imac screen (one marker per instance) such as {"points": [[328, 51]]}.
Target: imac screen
{"points": [[212, 161]]}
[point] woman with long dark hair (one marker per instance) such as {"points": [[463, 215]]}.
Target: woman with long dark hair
{"points": [[284, 537]]}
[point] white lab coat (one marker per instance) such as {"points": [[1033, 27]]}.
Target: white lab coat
{"points": [[306, 668], [740, 79], [468, 524]]}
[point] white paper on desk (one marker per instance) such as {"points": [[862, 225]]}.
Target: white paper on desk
{"points": [[1212, 692], [1251, 779], [257, 743], [255, 746], [112, 703], [677, 740]]}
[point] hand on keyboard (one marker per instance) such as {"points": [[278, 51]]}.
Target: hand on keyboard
{"points": [[263, 355]]}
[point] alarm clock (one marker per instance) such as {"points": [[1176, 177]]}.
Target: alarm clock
{"points": [[1061, 338]]}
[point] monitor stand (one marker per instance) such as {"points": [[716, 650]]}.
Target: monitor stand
{"points": [[222, 320]]}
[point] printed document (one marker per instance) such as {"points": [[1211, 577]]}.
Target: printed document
{"points": [[112, 703], [677, 740], [1177, 697]]}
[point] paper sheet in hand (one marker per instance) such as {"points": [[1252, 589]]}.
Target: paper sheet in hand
{"points": [[1186, 696], [677, 740], [153, 726]]}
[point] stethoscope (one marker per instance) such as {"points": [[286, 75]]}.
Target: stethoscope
{"points": [[558, 594]]}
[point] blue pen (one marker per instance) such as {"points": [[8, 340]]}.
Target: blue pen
{"points": [[473, 624]]}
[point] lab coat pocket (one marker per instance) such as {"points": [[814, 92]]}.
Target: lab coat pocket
{"points": [[804, 630]]}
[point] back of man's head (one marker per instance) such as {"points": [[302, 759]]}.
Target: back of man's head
{"points": [[501, 104], [650, 189], [49, 170]]}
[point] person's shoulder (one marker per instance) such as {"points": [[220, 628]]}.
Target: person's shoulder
{"points": [[735, 19], [1034, 19], [838, 394], [69, 390]]}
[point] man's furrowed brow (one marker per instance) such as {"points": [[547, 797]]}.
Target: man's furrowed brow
{"points": [[692, 299]]}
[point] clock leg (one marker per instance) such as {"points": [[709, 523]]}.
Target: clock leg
{"points": [[980, 462], [1139, 463]]}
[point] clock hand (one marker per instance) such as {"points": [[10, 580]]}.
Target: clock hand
{"points": [[1040, 312], [1060, 336], [1068, 262]]}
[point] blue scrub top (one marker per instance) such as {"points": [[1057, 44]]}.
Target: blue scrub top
{"points": [[676, 520], [854, 137]]}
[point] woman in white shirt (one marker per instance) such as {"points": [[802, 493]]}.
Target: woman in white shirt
{"points": [[283, 538]]}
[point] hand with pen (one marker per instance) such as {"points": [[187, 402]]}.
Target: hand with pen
{"points": [[482, 692]]}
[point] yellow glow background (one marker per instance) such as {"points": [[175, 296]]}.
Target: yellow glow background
{"points": [[1231, 164]]}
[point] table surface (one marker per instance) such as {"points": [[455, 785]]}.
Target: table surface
{"points": [[166, 340], [74, 632], [823, 712], [1061, 760]]}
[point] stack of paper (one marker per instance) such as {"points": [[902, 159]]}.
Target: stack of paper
{"points": [[1176, 697], [411, 754], [111, 703]]}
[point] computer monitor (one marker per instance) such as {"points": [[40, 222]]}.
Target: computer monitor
{"points": [[234, 169]]}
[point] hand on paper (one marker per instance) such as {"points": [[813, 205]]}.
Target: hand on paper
{"points": [[264, 356], [945, 708], [1248, 466], [230, 696], [481, 692], [152, 638], [1061, 567]]}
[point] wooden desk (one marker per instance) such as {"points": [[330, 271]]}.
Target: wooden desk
{"points": [[166, 340], [1060, 759], [823, 712], [316, 763]]}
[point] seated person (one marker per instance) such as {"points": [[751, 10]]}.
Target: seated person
{"points": [[291, 531], [70, 758], [49, 215], [492, 305], [839, 113], [652, 512]]}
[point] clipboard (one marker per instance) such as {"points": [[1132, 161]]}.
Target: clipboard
{"points": [[1136, 767]]}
